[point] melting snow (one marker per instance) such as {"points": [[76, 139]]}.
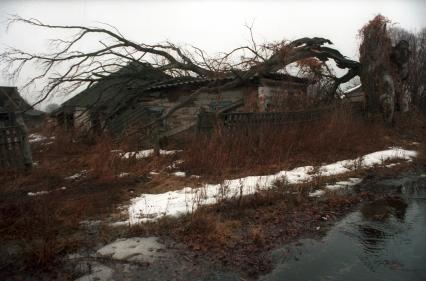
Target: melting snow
{"points": [[179, 174], [77, 175], [98, 272], [175, 164], [336, 186], [124, 174], [32, 138], [44, 192], [143, 249], [38, 193], [149, 207], [146, 153]]}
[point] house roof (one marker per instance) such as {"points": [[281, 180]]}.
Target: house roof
{"points": [[115, 89], [189, 81], [114, 93], [11, 100]]}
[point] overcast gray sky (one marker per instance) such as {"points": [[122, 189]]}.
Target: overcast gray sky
{"points": [[214, 26]]}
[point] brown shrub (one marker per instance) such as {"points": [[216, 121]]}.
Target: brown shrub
{"points": [[101, 161], [256, 235], [42, 228], [421, 158], [209, 228], [202, 223]]}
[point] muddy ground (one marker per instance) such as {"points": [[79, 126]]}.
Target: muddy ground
{"points": [[242, 248]]}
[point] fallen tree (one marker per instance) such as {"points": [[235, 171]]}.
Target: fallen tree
{"points": [[83, 69], [383, 73]]}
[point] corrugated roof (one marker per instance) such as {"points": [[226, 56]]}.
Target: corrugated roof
{"points": [[193, 81], [189, 81]]}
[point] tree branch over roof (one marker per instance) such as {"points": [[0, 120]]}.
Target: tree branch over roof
{"points": [[85, 68]]}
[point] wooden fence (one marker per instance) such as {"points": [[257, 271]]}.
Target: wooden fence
{"points": [[11, 143], [207, 120], [237, 119]]}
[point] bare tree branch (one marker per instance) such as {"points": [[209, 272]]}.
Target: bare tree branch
{"points": [[114, 51]]}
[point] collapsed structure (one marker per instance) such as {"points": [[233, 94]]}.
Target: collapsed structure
{"points": [[164, 87], [111, 104]]}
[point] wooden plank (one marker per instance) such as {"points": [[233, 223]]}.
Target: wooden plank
{"points": [[257, 118], [11, 156]]}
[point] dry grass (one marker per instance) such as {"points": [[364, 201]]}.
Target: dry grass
{"points": [[36, 231], [421, 158], [236, 232], [245, 151], [45, 228]]}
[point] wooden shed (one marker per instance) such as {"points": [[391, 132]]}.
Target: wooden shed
{"points": [[139, 93]]}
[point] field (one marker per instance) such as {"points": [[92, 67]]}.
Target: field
{"points": [[45, 213]]}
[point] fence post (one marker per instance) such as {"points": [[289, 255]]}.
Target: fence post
{"points": [[15, 152]]}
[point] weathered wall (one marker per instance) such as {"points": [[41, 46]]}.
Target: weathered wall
{"points": [[187, 115], [81, 119], [276, 96]]}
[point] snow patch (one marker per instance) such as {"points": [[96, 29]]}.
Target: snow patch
{"points": [[175, 164], [179, 174], [146, 153], [37, 193], [122, 175], [77, 175], [139, 249], [44, 192], [148, 207], [338, 185], [98, 272], [33, 138]]}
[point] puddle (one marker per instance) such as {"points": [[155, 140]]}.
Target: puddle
{"points": [[383, 240]]}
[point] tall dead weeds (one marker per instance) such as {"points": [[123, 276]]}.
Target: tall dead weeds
{"points": [[267, 148]]}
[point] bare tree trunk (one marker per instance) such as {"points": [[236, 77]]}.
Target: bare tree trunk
{"points": [[384, 70]]}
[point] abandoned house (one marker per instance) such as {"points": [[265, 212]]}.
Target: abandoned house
{"points": [[121, 101], [12, 102], [15, 116]]}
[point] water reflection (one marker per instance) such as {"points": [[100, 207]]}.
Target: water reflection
{"points": [[383, 208], [384, 240], [382, 220]]}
